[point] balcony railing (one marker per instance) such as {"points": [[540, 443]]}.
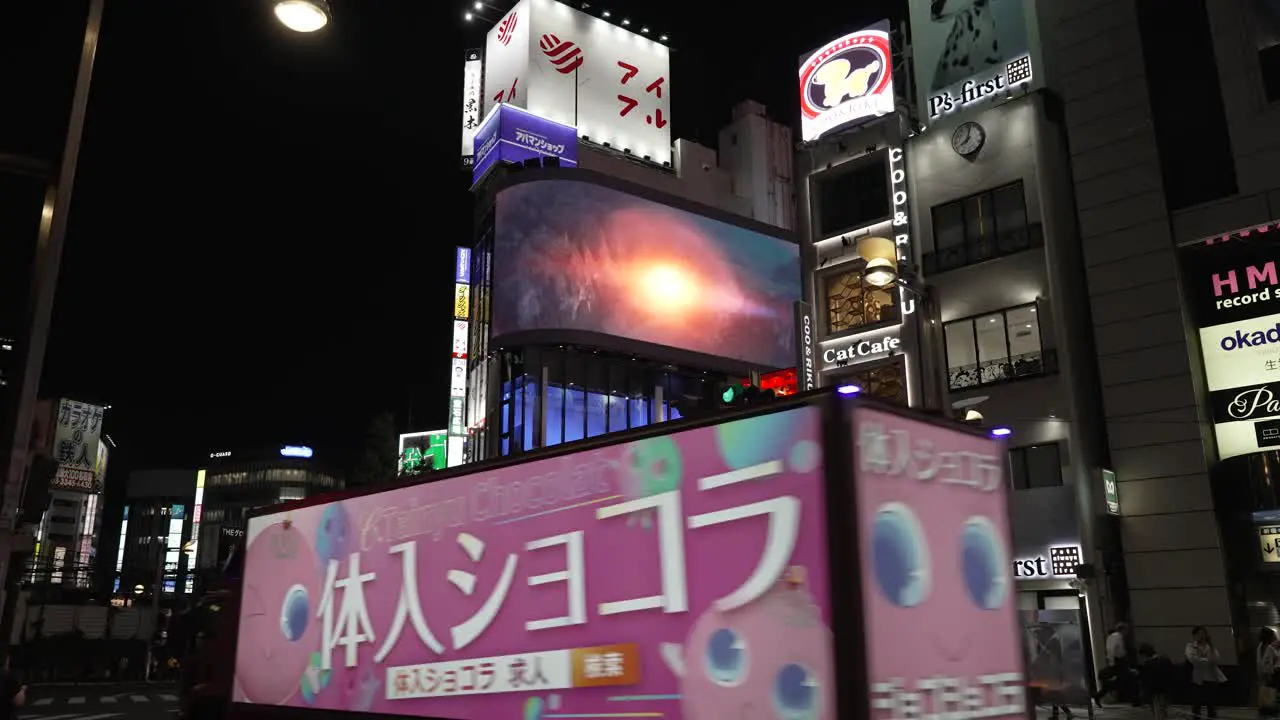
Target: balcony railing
{"points": [[970, 253], [1041, 362]]}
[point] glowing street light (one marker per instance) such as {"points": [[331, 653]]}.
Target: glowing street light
{"points": [[304, 16]]}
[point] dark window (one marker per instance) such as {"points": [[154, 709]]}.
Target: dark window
{"points": [[980, 227], [999, 346], [1192, 141], [1035, 466], [1269, 63], [853, 198]]}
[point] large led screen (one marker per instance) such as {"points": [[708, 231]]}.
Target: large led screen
{"points": [[943, 634], [677, 576], [572, 255]]}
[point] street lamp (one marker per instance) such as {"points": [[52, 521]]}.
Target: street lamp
{"points": [[138, 589], [304, 16]]}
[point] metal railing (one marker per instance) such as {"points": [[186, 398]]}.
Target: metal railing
{"points": [[1040, 362]]}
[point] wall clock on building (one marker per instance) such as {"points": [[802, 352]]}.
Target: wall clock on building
{"points": [[967, 139]]}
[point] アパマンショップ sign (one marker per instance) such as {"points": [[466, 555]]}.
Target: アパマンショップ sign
{"points": [[677, 576]]}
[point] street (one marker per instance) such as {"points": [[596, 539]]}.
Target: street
{"points": [[100, 701]]}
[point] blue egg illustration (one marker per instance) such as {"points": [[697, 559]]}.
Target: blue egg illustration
{"points": [[294, 612], [726, 657], [900, 555], [533, 708], [332, 536], [795, 693], [983, 564], [752, 441]]}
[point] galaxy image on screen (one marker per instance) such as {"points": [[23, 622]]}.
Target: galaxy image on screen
{"points": [[572, 255]]}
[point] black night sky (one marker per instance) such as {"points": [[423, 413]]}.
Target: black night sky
{"points": [[263, 222]]}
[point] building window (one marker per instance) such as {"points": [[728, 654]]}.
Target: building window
{"points": [[852, 304], [1003, 345], [1269, 62], [988, 225], [884, 382], [852, 196], [1035, 466]]}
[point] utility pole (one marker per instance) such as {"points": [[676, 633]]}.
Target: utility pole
{"points": [[156, 589]]}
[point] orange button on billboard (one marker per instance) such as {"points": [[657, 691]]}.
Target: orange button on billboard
{"points": [[606, 665]]}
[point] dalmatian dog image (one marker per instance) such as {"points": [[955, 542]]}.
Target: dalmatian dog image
{"points": [[972, 45]]}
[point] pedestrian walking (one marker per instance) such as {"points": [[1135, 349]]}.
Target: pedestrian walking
{"points": [[1118, 675], [13, 694], [1206, 676], [1267, 656], [1155, 680]]}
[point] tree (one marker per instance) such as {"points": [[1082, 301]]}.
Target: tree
{"points": [[378, 462]]}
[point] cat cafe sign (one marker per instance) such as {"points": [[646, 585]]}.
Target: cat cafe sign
{"points": [[847, 80], [865, 347]]}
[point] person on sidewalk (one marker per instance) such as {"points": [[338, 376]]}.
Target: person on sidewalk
{"points": [[1117, 676], [1267, 656], [13, 694], [1206, 676], [1155, 679]]}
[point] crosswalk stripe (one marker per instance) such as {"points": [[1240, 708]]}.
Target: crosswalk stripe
{"points": [[43, 701], [75, 701], [100, 716], [139, 698], [107, 699], [169, 698]]}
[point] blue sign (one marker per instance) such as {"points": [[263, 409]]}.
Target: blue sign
{"points": [[462, 266], [511, 134], [178, 512], [298, 451]]}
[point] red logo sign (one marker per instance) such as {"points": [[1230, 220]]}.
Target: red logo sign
{"points": [[564, 55], [858, 65], [507, 28]]}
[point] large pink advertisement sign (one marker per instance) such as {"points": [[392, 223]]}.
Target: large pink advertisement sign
{"points": [[677, 576], [942, 630]]}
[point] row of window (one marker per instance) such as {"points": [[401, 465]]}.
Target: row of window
{"points": [[995, 347], [572, 413], [988, 225]]}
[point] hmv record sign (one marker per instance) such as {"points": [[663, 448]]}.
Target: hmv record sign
{"points": [[1232, 285]]}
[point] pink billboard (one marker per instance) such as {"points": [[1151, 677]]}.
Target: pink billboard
{"points": [[673, 576], [941, 623]]}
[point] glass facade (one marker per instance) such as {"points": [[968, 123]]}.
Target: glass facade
{"points": [[554, 395]]}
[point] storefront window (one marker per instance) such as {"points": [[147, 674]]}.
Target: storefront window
{"points": [[852, 304]]}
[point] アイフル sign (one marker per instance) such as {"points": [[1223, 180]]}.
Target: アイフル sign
{"points": [[583, 71]]}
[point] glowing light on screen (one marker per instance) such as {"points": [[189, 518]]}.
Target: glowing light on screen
{"points": [[668, 288]]}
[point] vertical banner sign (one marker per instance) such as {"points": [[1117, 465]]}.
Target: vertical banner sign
{"points": [[901, 222], [75, 445], [1111, 491], [472, 103], [806, 367], [457, 430], [934, 544], [478, 596]]}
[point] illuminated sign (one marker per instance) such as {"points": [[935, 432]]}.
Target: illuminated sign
{"points": [[461, 301], [1016, 72], [1269, 543], [806, 371], [1062, 561], [901, 222], [860, 348], [296, 451], [460, 331], [846, 80], [472, 103], [462, 266], [1111, 490], [423, 448], [222, 454]]}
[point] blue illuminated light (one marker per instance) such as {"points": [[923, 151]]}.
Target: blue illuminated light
{"points": [[1001, 432], [848, 389], [298, 451]]}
